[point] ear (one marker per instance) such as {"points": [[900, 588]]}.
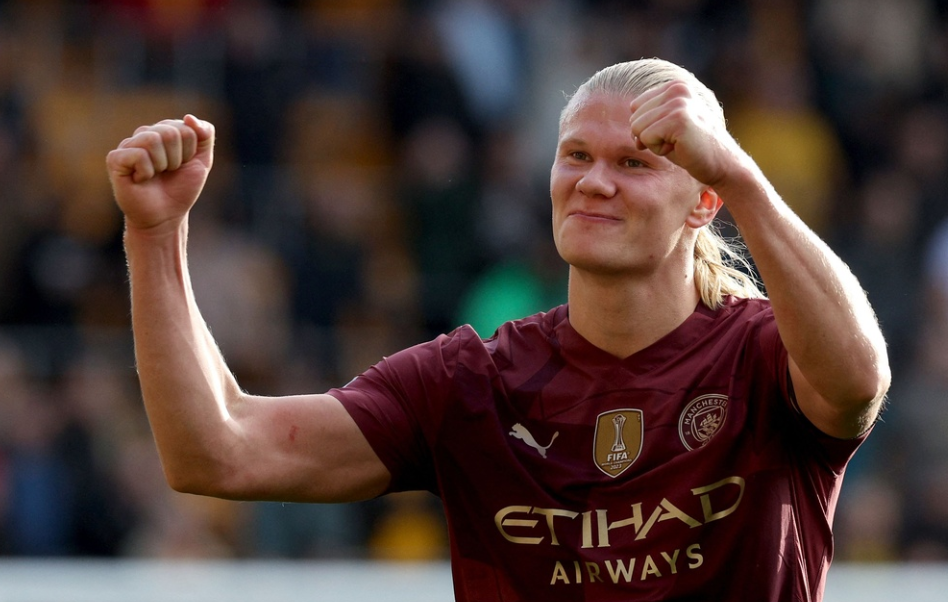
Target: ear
{"points": [[709, 203]]}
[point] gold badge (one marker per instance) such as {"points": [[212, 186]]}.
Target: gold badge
{"points": [[618, 440]]}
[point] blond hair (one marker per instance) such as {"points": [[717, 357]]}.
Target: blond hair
{"points": [[721, 268]]}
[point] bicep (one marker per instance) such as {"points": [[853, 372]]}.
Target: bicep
{"points": [[303, 448], [840, 421]]}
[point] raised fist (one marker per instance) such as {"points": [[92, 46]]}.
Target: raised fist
{"points": [[158, 173]]}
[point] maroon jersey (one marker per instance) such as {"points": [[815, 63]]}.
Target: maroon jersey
{"points": [[683, 472]]}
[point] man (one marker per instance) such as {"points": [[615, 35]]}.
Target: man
{"points": [[666, 435]]}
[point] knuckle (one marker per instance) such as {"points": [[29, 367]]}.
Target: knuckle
{"points": [[167, 132], [679, 87], [146, 138]]}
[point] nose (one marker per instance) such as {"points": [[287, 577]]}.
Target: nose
{"points": [[597, 181]]}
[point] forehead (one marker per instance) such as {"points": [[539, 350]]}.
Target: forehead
{"points": [[595, 111]]}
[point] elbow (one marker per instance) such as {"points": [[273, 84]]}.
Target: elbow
{"points": [[853, 412], [843, 401], [866, 395], [182, 483], [868, 373], [883, 383], [186, 481], [870, 386], [197, 476], [880, 372], [879, 378]]}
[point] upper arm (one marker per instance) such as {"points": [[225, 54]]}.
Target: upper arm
{"points": [[840, 420], [302, 448]]}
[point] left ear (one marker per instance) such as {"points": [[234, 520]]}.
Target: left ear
{"points": [[709, 203]]}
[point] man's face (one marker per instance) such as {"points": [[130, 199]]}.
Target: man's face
{"points": [[616, 209]]}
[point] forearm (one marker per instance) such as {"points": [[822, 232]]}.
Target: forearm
{"points": [[822, 313], [185, 382]]}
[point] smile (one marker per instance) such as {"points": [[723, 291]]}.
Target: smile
{"points": [[594, 216]]}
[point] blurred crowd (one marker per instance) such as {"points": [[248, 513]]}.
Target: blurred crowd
{"points": [[381, 177]]}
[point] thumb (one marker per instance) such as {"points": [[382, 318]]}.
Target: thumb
{"points": [[205, 139]]}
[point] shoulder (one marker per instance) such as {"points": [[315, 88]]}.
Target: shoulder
{"points": [[753, 318], [540, 324], [741, 314], [530, 335], [743, 329], [742, 306]]}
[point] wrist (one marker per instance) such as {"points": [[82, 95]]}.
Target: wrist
{"points": [[171, 228], [745, 184]]}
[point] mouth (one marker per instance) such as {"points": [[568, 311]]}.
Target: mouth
{"points": [[594, 216]]}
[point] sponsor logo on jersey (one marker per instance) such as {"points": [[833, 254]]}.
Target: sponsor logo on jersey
{"points": [[617, 527], [624, 570], [701, 420], [518, 431], [618, 440]]}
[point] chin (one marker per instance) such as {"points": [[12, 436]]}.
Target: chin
{"points": [[603, 261], [597, 263]]}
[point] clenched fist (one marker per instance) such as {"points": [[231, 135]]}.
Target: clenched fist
{"points": [[158, 173], [673, 122]]}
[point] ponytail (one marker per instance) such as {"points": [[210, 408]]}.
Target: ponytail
{"points": [[721, 269]]}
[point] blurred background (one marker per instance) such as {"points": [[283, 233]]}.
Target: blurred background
{"points": [[382, 176]]}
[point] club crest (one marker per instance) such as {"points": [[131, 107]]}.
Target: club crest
{"points": [[618, 440], [701, 420]]}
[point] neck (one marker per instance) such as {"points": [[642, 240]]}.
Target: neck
{"points": [[622, 315]]}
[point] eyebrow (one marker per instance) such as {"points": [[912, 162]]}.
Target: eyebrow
{"points": [[575, 141], [572, 140]]}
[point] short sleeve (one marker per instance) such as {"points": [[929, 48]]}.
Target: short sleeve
{"points": [[832, 453], [398, 405]]}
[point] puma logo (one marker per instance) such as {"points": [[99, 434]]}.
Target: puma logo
{"points": [[520, 432]]}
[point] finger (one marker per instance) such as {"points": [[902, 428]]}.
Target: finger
{"points": [[180, 139], [652, 130], [659, 102], [163, 146], [652, 97], [177, 139], [150, 139], [645, 110], [134, 162], [657, 145], [171, 143]]}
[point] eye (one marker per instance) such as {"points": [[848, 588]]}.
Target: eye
{"points": [[579, 155], [633, 163]]}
